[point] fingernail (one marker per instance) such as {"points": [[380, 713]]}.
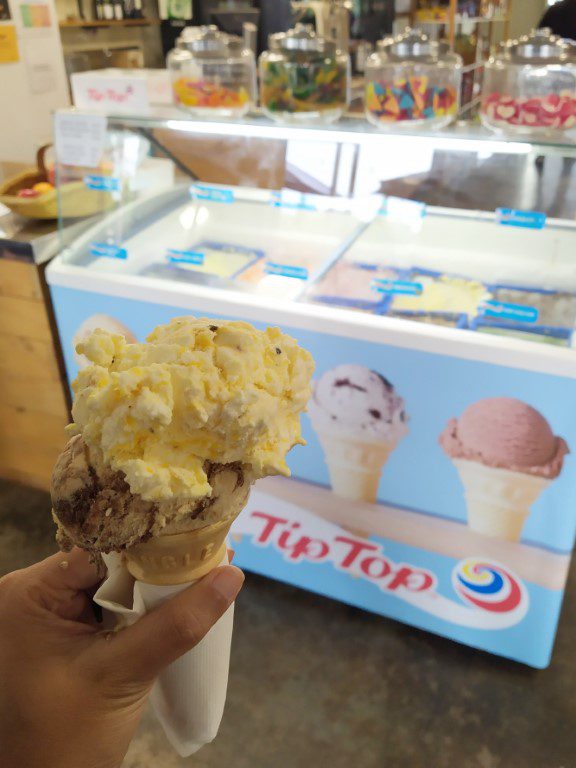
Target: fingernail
{"points": [[228, 581]]}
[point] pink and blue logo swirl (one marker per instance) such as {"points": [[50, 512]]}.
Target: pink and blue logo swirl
{"points": [[488, 586]]}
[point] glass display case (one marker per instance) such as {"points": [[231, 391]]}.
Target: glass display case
{"points": [[433, 278]]}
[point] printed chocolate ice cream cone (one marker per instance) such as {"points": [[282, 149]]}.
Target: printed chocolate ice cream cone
{"points": [[359, 420], [498, 500], [506, 454]]}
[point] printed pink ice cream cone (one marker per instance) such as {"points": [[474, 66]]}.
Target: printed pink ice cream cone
{"points": [[506, 454], [359, 420]]}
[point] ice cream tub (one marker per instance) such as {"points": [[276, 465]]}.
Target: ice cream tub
{"points": [[446, 319], [535, 311], [557, 337], [437, 292], [354, 285], [221, 259]]}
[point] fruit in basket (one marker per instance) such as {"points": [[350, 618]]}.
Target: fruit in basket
{"points": [[27, 193], [42, 187]]}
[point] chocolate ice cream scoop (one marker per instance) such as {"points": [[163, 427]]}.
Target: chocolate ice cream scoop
{"points": [[95, 509]]}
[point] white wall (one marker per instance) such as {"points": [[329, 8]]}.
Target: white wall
{"points": [[32, 88]]}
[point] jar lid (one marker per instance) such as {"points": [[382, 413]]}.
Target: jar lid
{"points": [[209, 41], [413, 44], [540, 46], [301, 38]]}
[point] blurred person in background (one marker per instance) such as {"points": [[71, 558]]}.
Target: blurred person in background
{"points": [[561, 19]]}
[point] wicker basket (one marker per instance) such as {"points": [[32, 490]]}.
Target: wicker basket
{"points": [[76, 199]]}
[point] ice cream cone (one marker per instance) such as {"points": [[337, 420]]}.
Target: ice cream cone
{"points": [[355, 466], [498, 500], [181, 557], [169, 436]]}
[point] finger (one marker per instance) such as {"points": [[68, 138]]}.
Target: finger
{"points": [[66, 571], [231, 554], [137, 654]]}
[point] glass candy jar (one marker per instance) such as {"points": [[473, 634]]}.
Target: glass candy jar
{"points": [[530, 86], [212, 73], [303, 77], [412, 82]]}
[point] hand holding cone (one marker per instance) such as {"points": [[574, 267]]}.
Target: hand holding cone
{"points": [[169, 438]]}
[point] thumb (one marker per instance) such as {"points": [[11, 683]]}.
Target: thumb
{"points": [[136, 655]]}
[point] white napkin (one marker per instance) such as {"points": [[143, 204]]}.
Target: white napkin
{"points": [[189, 696]]}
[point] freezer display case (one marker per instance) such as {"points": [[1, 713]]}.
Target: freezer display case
{"points": [[438, 483]]}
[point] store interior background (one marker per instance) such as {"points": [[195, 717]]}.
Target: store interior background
{"points": [[78, 41], [313, 681]]}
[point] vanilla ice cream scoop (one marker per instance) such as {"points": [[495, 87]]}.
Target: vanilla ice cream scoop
{"points": [[197, 391], [354, 402]]}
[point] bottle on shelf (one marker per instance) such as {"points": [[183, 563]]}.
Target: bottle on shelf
{"points": [[108, 10], [99, 10], [118, 10], [138, 12]]}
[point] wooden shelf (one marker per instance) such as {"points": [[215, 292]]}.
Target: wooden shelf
{"points": [[78, 24], [462, 19]]}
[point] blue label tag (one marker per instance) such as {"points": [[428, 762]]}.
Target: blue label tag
{"points": [[102, 183], [215, 194], [510, 217], [301, 273], [289, 198], [397, 286], [509, 311], [186, 257], [108, 250]]}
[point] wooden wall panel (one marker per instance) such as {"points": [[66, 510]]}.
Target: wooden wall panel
{"points": [[33, 410]]}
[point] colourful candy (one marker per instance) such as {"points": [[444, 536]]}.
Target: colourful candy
{"points": [[303, 87], [410, 99], [200, 93], [552, 111]]}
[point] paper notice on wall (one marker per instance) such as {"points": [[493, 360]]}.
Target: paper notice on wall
{"points": [[80, 139], [35, 15], [9, 52], [41, 70]]}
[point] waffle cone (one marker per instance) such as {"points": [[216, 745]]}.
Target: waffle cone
{"points": [[498, 500], [355, 466], [181, 557]]}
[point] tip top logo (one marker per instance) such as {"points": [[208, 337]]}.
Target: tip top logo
{"points": [[489, 586], [117, 96], [491, 597]]}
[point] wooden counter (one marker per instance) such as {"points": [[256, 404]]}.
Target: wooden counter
{"points": [[33, 407]]}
